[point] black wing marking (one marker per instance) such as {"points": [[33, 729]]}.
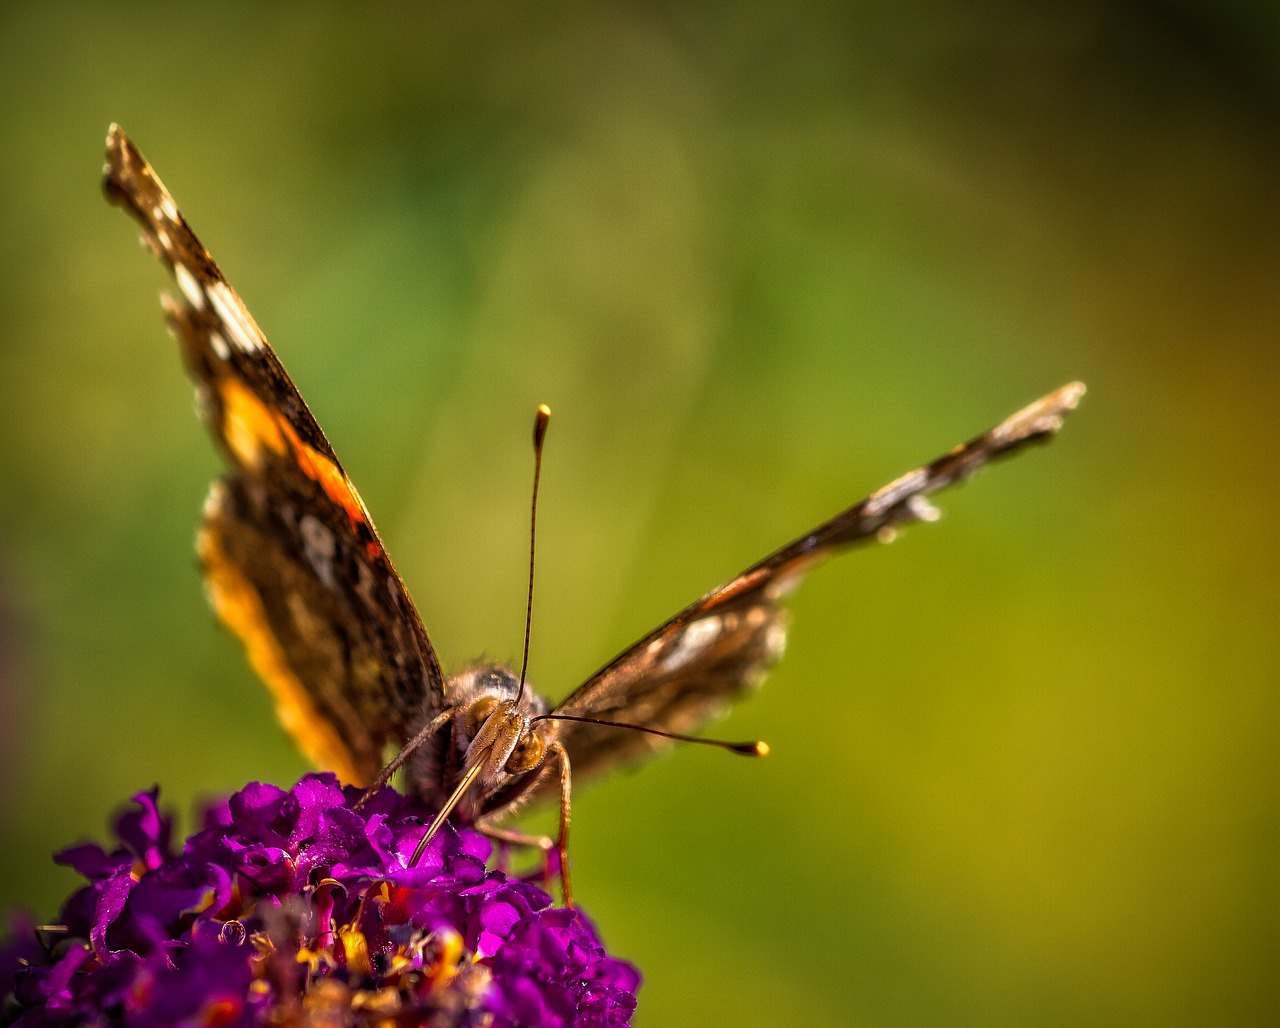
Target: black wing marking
{"points": [[293, 562]]}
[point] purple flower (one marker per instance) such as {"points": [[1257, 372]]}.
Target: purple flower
{"points": [[290, 907]]}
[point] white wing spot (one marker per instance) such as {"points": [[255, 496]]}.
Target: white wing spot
{"points": [[775, 640], [244, 334], [693, 640], [168, 208], [188, 284], [219, 345], [320, 547], [364, 583], [214, 501], [896, 491], [922, 509]]}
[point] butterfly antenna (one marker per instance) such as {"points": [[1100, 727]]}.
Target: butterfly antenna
{"points": [[757, 748], [539, 437]]}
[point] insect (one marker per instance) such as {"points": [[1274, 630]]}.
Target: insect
{"points": [[294, 566]]}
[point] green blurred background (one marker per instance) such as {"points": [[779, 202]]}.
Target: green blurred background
{"points": [[759, 261]]}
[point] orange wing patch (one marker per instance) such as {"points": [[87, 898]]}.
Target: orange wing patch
{"points": [[236, 603], [250, 426]]}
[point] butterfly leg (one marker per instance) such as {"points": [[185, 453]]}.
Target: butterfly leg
{"points": [[507, 837], [543, 842], [562, 844], [398, 761], [513, 838]]}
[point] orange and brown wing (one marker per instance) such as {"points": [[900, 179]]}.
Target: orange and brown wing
{"points": [[688, 669], [292, 560]]}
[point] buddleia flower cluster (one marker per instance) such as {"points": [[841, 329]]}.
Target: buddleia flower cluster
{"points": [[293, 907]]}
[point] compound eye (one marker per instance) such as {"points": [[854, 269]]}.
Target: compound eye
{"points": [[477, 714], [527, 755]]}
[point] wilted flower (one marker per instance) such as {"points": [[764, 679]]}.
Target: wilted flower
{"points": [[291, 908]]}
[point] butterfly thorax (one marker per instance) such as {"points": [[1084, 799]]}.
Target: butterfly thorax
{"points": [[491, 729]]}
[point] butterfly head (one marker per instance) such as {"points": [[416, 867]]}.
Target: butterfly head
{"points": [[501, 739], [493, 738]]}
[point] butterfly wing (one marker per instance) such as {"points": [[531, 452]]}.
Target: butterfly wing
{"points": [[292, 561], [689, 668]]}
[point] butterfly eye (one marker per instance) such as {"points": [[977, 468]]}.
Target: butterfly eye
{"points": [[477, 714], [527, 754]]}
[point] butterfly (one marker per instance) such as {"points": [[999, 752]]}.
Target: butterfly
{"points": [[295, 568]]}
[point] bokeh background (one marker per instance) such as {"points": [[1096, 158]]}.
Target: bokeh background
{"points": [[759, 260]]}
